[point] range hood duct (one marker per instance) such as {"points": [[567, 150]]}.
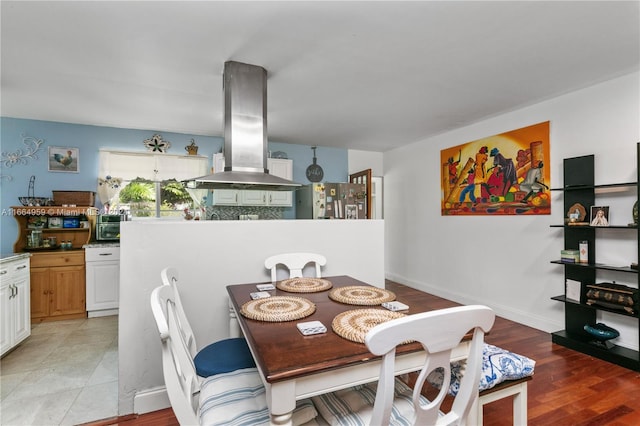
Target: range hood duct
{"points": [[245, 134]]}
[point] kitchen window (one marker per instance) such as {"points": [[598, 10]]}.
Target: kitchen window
{"points": [[149, 184]]}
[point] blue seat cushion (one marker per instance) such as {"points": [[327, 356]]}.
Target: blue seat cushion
{"points": [[223, 357]]}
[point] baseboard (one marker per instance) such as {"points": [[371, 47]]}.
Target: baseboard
{"points": [[102, 313], [149, 400], [507, 312]]}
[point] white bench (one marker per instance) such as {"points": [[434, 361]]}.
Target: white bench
{"points": [[517, 389]]}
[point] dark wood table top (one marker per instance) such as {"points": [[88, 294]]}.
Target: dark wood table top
{"points": [[283, 353]]}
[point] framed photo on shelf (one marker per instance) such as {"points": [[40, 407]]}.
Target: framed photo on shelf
{"points": [[64, 159], [599, 216], [351, 211]]}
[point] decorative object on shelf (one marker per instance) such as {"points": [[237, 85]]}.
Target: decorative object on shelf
{"points": [[279, 154], [584, 251], [156, 144], [31, 199], [192, 148], [32, 146], [613, 296], [634, 213], [599, 216], [314, 171], [576, 215], [601, 334], [55, 222], [64, 159]]}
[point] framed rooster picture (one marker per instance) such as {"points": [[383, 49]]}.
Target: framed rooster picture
{"points": [[64, 159]]}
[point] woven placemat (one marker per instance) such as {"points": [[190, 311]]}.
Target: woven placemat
{"points": [[278, 308], [304, 285], [355, 324], [361, 295]]}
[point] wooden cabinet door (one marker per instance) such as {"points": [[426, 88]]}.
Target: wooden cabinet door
{"points": [[67, 284], [39, 292]]}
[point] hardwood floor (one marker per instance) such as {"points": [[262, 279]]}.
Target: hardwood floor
{"points": [[568, 387]]}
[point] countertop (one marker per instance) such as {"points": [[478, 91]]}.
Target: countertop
{"points": [[102, 244], [6, 257]]}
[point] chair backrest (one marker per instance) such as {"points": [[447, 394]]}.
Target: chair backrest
{"points": [[169, 278], [439, 332], [295, 262], [180, 378]]}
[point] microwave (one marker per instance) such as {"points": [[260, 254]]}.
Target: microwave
{"points": [[108, 228]]}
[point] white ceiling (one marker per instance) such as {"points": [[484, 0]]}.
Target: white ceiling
{"points": [[361, 75]]}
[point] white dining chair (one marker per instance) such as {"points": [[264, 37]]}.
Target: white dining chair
{"points": [[390, 401], [234, 398], [219, 357], [295, 263]]}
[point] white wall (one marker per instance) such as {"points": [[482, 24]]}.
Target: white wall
{"points": [[504, 261], [363, 160], [211, 255]]}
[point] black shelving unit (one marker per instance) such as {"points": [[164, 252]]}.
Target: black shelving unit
{"points": [[579, 188]]}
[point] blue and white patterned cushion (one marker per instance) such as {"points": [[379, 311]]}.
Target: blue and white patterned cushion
{"points": [[353, 406], [498, 365], [238, 398]]}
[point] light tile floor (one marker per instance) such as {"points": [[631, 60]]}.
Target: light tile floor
{"points": [[65, 373]]}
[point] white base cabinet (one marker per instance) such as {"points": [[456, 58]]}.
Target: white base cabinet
{"points": [[15, 303], [103, 280]]}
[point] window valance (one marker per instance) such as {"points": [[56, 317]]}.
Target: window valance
{"points": [[154, 167]]}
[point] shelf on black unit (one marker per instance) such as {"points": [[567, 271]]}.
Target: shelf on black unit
{"points": [[603, 186], [625, 357], [597, 266], [594, 227], [564, 299]]}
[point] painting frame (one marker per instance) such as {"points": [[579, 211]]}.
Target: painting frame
{"points": [[599, 220], [504, 174], [64, 159]]}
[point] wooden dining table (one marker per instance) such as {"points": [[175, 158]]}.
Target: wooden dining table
{"points": [[294, 366]]}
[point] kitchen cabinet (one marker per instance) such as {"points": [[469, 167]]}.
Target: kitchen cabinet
{"points": [[251, 197], [15, 319], [579, 187], [233, 197], [103, 280], [77, 236], [58, 285]]}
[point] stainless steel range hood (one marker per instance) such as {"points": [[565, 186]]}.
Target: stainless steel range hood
{"points": [[245, 134]]}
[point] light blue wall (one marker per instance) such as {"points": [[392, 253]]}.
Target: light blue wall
{"points": [[89, 139]]}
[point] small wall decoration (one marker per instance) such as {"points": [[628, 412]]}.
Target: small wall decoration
{"points": [[505, 174], [156, 144], [64, 159], [599, 216], [192, 148], [9, 159]]}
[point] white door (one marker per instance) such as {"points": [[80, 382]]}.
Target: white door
{"points": [[22, 308], [103, 285], [6, 319], [280, 167]]}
